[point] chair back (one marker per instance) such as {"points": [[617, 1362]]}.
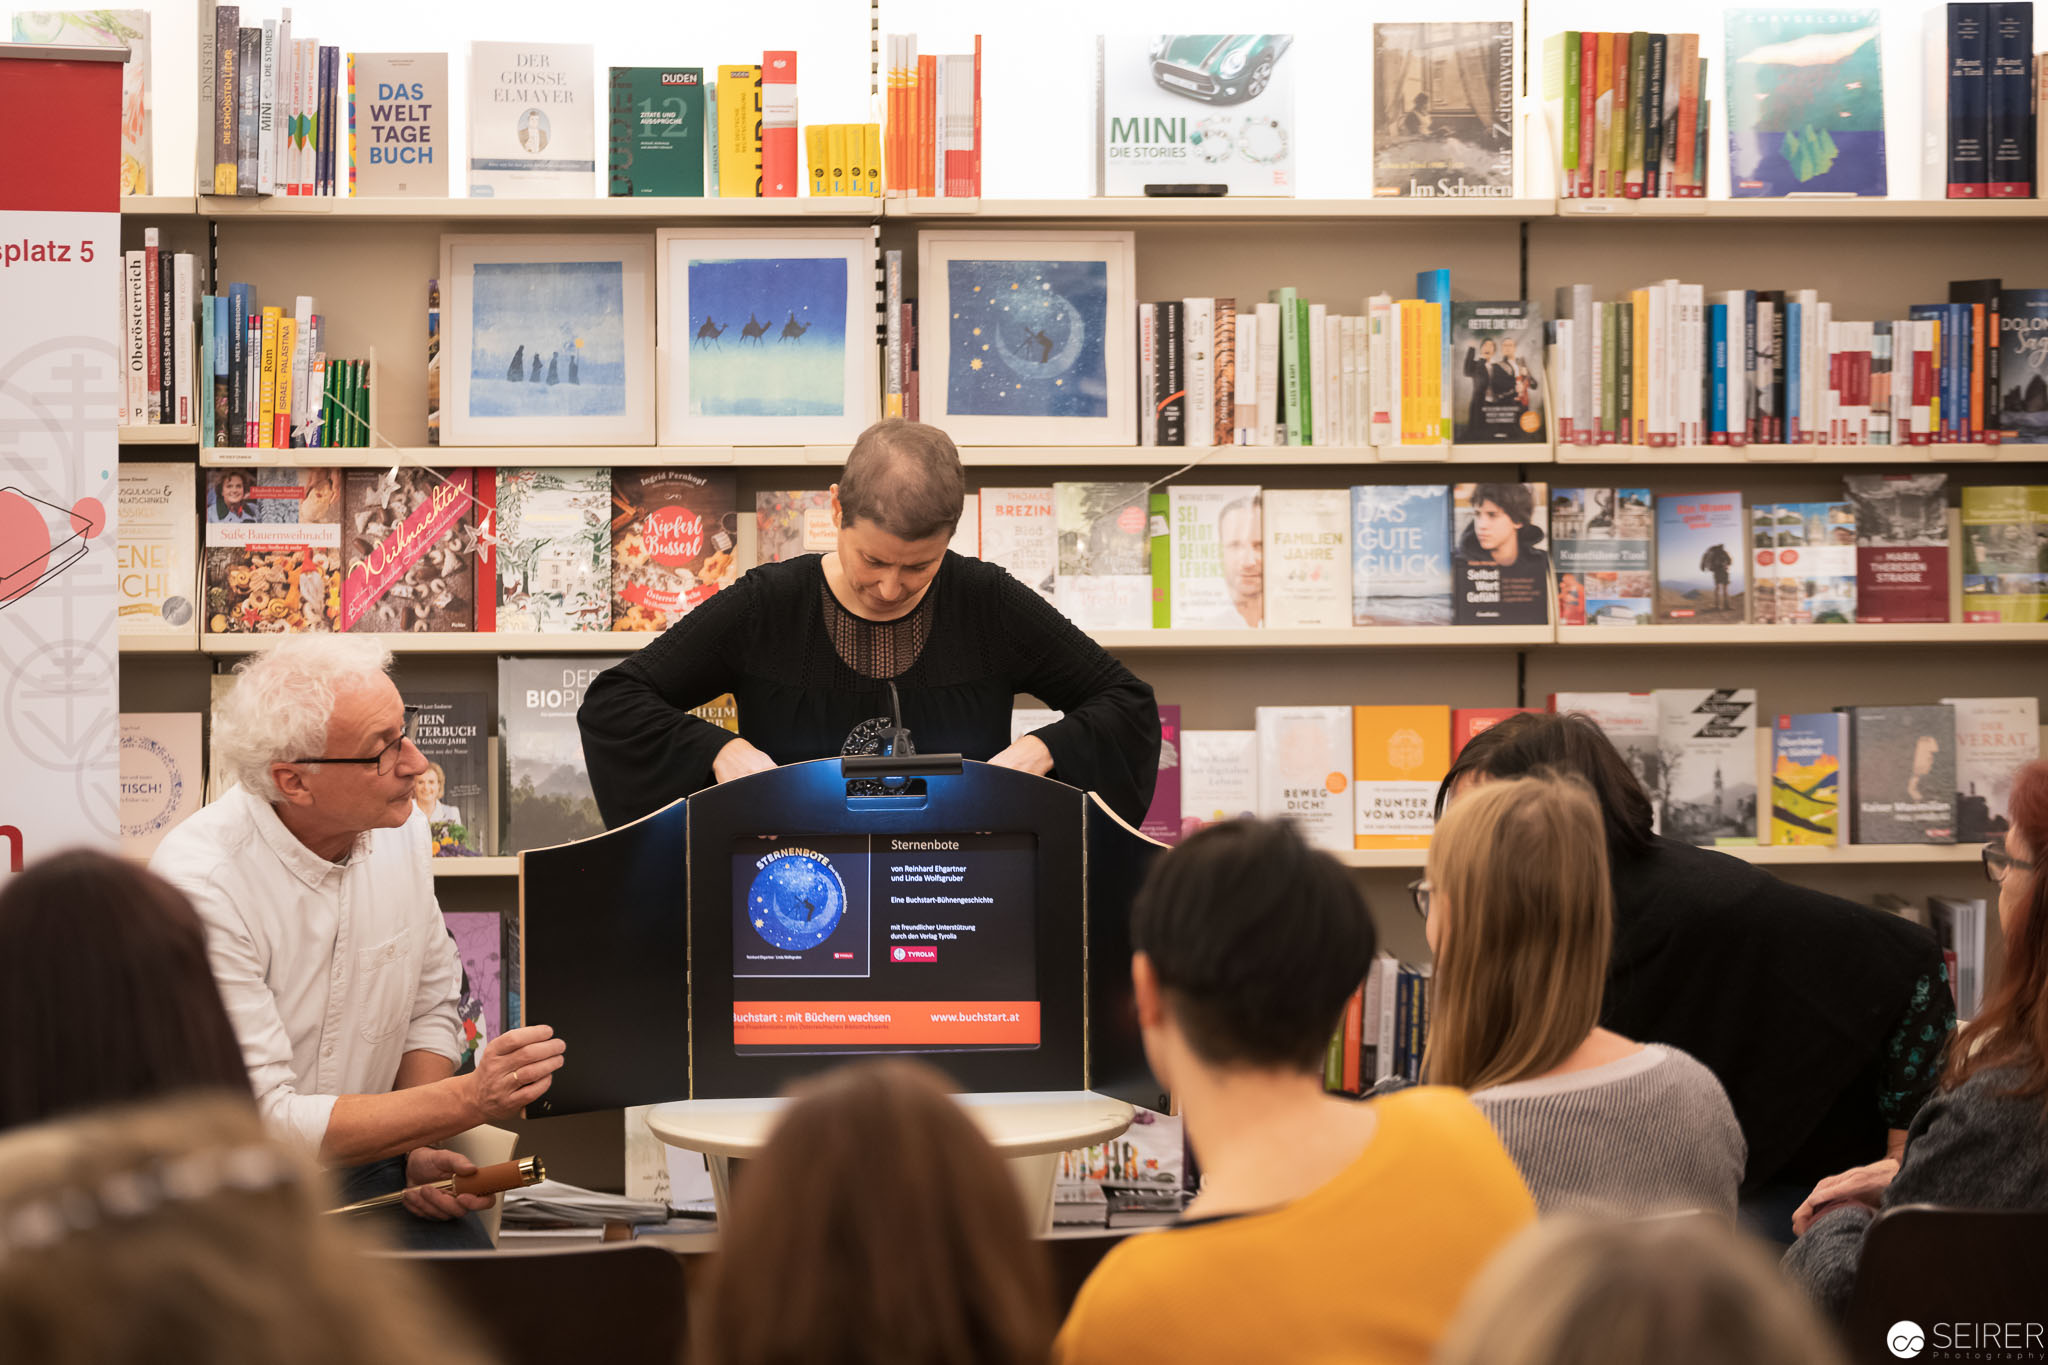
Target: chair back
{"points": [[1923, 1265], [622, 1302]]}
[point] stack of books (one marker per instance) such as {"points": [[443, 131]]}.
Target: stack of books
{"points": [[933, 129]]}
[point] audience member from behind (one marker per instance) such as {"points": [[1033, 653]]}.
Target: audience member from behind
{"points": [[1657, 1291], [1822, 1019], [178, 1231], [878, 1227], [314, 878], [1326, 1229], [105, 992], [1520, 920], [1982, 1141]]}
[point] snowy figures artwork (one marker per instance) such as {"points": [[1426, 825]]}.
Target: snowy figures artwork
{"points": [[770, 337], [547, 339], [1027, 338]]}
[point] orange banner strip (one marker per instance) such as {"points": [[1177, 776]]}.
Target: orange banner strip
{"points": [[912, 1023]]}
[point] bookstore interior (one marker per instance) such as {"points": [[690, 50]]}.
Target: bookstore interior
{"points": [[1348, 392]]}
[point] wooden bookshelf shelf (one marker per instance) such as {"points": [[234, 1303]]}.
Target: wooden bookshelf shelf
{"points": [[1821, 210], [477, 867], [1971, 453], [1377, 637], [1226, 209], [187, 643], [157, 205], [832, 457], [651, 210], [1942, 633], [1770, 855], [459, 642], [159, 436]]}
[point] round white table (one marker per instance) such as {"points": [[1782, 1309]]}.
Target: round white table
{"points": [[1030, 1128]]}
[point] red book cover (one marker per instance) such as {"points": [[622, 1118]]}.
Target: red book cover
{"points": [[1354, 1040], [1923, 391], [673, 534], [1589, 65], [1902, 549], [407, 552], [1467, 721], [483, 494], [927, 92], [779, 171]]}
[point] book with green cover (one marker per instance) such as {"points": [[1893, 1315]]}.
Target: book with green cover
{"points": [[1304, 363], [1638, 89], [656, 136], [1293, 393], [1162, 560]]}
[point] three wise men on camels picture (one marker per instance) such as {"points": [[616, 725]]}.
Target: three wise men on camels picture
{"points": [[709, 332]]}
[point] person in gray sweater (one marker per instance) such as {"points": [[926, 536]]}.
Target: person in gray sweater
{"points": [[1519, 913], [1982, 1141]]}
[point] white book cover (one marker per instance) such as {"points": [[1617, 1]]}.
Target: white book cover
{"points": [[302, 359], [1245, 421], [967, 533], [1219, 777], [1267, 316], [157, 560], [162, 781], [401, 113], [1706, 787], [135, 337], [1305, 771], [266, 112], [1659, 380], [1198, 369], [1319, 358], [1692, 316], [532, 121], [1017, 532], [1628, 719], [1192, 109], [284, 122], [183, 305], [1218, 549], [1308, 557], [1382, 373], [1995, 736], [1025, 719]]}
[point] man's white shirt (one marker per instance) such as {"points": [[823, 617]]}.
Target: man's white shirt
{"points": [[331, 971]]}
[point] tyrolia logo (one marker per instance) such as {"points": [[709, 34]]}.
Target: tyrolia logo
{"points": [[1906, 1340]]}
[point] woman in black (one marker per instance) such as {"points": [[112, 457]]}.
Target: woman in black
{"points": [[809, 647]]}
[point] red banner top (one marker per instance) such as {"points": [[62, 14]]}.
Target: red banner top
{"points": [[63, 153]]}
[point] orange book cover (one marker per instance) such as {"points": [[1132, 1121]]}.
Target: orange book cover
{"points": [[1639, 365], [1354, 1040], [1399, 755], [927, 87], [1603, 114], [1976, 425]]}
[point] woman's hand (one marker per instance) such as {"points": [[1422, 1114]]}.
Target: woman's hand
{"points": [[1027, 755], [1863, 1185], [738, 759]]}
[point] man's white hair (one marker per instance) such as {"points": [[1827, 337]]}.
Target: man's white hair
{"points": [[283, 699]]}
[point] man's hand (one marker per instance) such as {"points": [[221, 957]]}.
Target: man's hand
{"points": [[1862, 1185], [738, 759], [514, 1070], [1027, 755], [423, 1165]]}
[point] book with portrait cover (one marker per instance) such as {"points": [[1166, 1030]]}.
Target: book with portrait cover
{"points": [[453, 794], [161, 778], [408, 551], [1219, 777], [1399, 756], [1195, 109], [1702, 559], [272, 559], [554, 550], [1105, 555], [1018, 532], [1500, 563], [1305, 771], [1995, 738], [1706, 750], [1807, 754], [1443, 116], [1602, 539], [545, 795], [1497, 355], [1400, 555], [1216, 548], [674, 532], [532, 121], [1902, 774], [1901, 546], [157, 564], [793, 522], [1308, 557], [400, 111], [1805, 102], [656, 131]]}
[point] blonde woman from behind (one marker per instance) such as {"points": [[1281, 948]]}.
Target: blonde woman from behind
{"points": [[1520, 917], [1659, 1291]]}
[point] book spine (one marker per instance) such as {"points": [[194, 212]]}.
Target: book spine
{"points": [[281, 410], [252, 349], [1247, 380], [301, 357], [892, 325], [227, 33], [1305, 368], [974, 162], [135, 324], [1612, 370], [182, 390], [1161, 506], [208, 106], [152, 325], [236, 341], [1223, 366], [1197, 340], [1968, 47], [1687, 172], [266, 113], [1270, 431], [248, 83], [1172, 385], [1653, 117], [1589, 78], [1148, 375], [266, 384], [1638, 80], [1977, 371], [1717, 409], [164, 321], [1290, 369], [779, 175], [927, 91]]}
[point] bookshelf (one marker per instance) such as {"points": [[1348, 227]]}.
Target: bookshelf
{"points": [[1941, 633], [831, 457], [617, 211], [159, 436], [186, 643], [1843, 210], [1766, 454], [1199, 210]]}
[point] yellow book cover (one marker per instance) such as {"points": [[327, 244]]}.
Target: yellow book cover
{"points": [[871, 160], [818, 159], [841, 152], [281, 406], [1639, 366], [266, 378], [722, 711], [1806, 779], [1399, 755], [739, 132], [1406, 367], [1934, 390], [1429, 360]]}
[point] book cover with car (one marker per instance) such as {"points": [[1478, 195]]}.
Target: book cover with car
{"points": [[1204, 109]]}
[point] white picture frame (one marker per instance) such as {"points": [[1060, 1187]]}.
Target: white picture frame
{"points": [[1093, 283], [574, 296], [781, 386]]}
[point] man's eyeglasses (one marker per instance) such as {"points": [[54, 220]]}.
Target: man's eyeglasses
{"points": [[1997, 862], [385, 760], [1418, 891]]}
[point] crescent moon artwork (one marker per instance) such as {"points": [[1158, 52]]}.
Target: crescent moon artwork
{"points": [[1026, 338]]}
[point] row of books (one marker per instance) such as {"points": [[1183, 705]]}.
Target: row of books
{"points": [[271, 383], [278, 106], [1985, 88], [1673, 365], [1383, 1030], [845, 159], [933, 112], [156, 329], [1631, 114]]}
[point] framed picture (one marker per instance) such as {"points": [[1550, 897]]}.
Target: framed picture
{"points": [[767, 338], [1027, 338], [547, 341]]}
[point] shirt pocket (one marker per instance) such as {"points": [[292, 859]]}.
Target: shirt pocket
{"points": [[385, 976]]}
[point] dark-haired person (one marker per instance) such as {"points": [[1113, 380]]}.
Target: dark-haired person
{"points": [[1326, 1229], [1823, 1020], [1981, 1142], [810, 646], [106, 995], [878, 1227], [1499, 560]]}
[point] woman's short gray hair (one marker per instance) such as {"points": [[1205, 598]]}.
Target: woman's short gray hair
{"points": [[283, 699]]}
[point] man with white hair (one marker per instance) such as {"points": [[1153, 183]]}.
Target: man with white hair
{"points": [[314, 877]]}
